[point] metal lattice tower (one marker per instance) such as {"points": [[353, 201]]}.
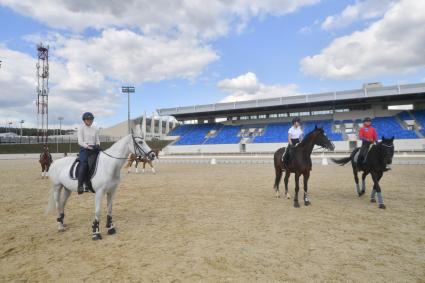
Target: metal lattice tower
{"points": [[42, 93]]}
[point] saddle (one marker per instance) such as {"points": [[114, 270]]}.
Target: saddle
{"points": [[92, 162]]}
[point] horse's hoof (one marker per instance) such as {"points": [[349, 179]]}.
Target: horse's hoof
{"points": [[61, 228], [361, 193], [288, 196], [112, 231], [96, 237], [296, 204], [307, 203], [382, 206], [372, 200]]}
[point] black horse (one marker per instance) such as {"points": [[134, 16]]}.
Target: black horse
{"points": [[379, 156], [299, 162]]}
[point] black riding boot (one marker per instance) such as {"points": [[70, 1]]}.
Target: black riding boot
{"points": [[363, 153], [82, 173]]}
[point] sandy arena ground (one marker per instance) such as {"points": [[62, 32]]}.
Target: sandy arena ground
{"points": [[218, 223]]}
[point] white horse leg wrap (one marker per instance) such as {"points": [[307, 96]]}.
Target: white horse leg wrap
{"points": [[380, 199], [372, 195]]}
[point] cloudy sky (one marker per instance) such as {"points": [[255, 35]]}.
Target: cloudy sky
{"points": [[187, 52]]}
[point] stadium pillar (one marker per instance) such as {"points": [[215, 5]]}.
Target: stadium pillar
{"points": [[160, 127], [144, 125], [153, 125], [167, 126]]}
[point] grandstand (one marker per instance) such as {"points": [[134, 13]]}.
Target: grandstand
{"points": [[262, 125]]}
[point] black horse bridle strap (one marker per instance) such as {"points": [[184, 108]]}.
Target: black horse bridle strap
{"points": [[135, 145]]}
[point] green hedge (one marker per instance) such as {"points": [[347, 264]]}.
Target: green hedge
{"points": [[62, 147]]}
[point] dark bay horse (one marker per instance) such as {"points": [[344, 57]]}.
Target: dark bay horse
{"points": [[300, 162], [379, 156], [45, 162]]}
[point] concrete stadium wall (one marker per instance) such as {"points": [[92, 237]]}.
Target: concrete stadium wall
{"points": [[400, 145], [200, 149], [409, 144]]}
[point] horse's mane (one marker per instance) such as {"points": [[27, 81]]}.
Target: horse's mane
{"points": [[307, 136]]}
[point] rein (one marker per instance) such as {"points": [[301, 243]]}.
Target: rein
{"points": [[135, 145]]}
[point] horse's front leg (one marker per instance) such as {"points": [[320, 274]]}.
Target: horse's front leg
{"points": [[144, 167], [98, 201], [376, 177], [306, 177], [286, 180], [364, 182], [137, 165], [109, 225], [153, 169], [297, 188], [128, 166]]}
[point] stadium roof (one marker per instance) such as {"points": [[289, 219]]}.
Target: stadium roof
{"points": [[372, 94]]}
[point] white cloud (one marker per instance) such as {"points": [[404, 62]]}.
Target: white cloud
{"points": [[361, 10], [248, 87], [392, 45], [127, 56], [72, 90], [203, 19]]}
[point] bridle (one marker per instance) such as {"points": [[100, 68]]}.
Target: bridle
{"points": [[136, 147]]}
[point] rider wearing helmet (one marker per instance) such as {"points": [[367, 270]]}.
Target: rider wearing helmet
{"points": [[368, 136], [88, 140], [295, 134], [46, 149]]}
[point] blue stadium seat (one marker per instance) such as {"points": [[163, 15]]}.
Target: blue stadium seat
{"points": [[196, 135], [419, 117], [389, 126], [181, 130], [404, 115], [274, 133], [227, 135], [327, 127]]}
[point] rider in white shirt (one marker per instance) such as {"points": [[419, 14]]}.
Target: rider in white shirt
{"points": [[88, 139], [295, 135]]}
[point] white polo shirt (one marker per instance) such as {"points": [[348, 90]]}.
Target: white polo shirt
{"points": [[295, 133], [88, 136]]}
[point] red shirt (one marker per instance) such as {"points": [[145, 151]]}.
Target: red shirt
{"points": [[368, 133]]}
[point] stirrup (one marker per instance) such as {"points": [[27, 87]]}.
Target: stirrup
{"points": [[88, 188]]}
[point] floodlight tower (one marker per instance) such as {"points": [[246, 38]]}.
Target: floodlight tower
{"points": [[42, 93]]}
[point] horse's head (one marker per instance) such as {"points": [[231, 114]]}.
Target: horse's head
{"points": [[387, 146], [138, 146], [321, 139]]}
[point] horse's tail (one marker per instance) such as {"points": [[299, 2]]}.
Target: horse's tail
{"points": [[278, 166], [341, 161], [51, 202]]}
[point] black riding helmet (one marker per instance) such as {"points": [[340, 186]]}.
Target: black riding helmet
{"points": [[296, 119], [88, 116], [367, 119]]}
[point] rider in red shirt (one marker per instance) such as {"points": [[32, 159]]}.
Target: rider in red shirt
{"points": [[368, 136]]}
